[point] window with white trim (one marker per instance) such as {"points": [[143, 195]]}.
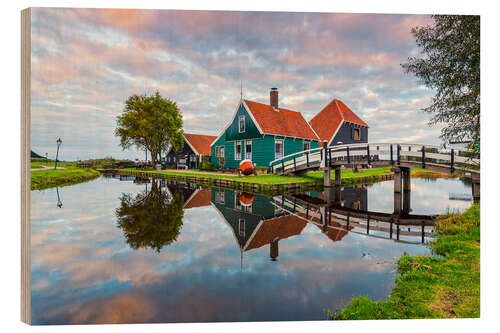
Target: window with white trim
{"points": [[241, 227], [237, 150], [248, 149], [237, 203], [219, 151], [307, 145], [241, 124], [278, 148], [220, 196]]}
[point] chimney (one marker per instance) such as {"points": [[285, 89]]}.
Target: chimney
{"points": [[274, 98]]}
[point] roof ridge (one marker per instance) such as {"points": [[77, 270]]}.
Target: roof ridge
{"points": [[279, 108]]}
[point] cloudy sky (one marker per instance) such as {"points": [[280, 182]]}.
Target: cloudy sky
{"points": [[86, 62]]}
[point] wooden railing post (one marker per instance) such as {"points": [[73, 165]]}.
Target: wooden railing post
{"points": [[348, 156], [368, 153], [392, 159], [330, 156], [423, 157], [307, 158], [326, 157], [452, 168], [399, 154], [283, 165], [294, 164]]}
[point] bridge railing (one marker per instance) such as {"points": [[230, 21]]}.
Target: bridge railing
{"points": [[293, 162], [379, 151]]}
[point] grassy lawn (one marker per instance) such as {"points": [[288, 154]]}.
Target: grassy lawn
{"points": [[428, 287], [313, 176], [36, 165], [50, 177]]}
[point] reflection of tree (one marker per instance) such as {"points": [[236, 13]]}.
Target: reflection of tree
{"points": [[152, 219]]}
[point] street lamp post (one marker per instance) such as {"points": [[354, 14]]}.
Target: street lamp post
{"points": [[59, 141]]}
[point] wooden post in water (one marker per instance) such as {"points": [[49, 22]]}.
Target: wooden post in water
{"points": [[406, 175], [338, 175], [327, 177], [476, 192]]}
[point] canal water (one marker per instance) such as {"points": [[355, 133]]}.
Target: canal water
{"points": [[126, 250]]}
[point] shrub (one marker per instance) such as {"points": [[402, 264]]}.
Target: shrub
{"points": [[207, 166]]}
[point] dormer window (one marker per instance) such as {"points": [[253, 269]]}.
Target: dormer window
{"points": [[241, 124]]}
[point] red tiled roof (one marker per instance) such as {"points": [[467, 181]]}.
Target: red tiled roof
{"points": [[280, 122], [279, 227], [200, 142], [326, 122], [200, 198]]}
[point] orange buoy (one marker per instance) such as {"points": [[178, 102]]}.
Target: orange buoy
{"points": [[247, 167], [246, 199]]}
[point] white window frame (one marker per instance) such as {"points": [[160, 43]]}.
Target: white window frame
{"points": [[241, 227], [218, 151], [236, 157], [308, 143], [282, 148], [221, 196], [237, 203], [240, 118], [248, 142]]}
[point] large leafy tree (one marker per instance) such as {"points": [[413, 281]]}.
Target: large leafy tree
{"points": [[152, 219], [449, 64], [150, 122]]}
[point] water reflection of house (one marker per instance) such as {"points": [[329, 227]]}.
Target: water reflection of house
{"points": [[243, 219], [335, 234], [355, 197], [200, 198], [257, 224]]}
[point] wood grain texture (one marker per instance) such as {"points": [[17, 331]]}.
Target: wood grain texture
{"points": [[25, 165]]}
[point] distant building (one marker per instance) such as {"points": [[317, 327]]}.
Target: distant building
{"points": [[337, 124], [262, 133], [190, 154]]}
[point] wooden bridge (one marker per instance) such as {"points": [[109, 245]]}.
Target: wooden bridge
{"points": [[402, 156], [429, 157]]}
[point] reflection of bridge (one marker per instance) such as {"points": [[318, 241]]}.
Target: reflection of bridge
{"points": [[402, 157], [330, 214]]}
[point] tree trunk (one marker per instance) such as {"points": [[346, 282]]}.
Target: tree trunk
{"points": [[153, 158]]}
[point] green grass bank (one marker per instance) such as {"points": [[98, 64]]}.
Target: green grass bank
{"points": [[45, 178], [425, 287], [348, 176]]}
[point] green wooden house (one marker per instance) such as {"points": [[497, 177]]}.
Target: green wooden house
{"points": [[262, 133]]}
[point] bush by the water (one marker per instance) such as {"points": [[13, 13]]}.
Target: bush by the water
{"points": [[209, 166]]}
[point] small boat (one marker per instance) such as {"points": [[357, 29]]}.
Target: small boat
{"points": [[247, 167], [246, 199]]}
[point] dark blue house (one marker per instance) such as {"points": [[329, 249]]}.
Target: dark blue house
{"points": [[338, 125]]}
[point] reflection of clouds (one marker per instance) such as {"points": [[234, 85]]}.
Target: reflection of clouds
{"points": [[427, 196], [84, 272]]}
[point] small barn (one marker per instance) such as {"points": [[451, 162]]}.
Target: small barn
{"points": [[339, 125], [262, 133], [191, 153]]}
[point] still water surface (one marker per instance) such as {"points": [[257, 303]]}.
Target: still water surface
{"points": [[130, 251]]}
